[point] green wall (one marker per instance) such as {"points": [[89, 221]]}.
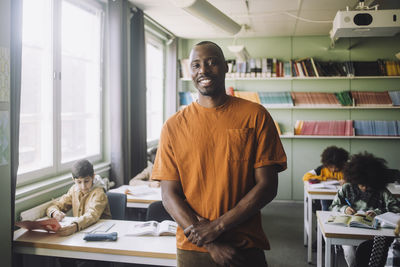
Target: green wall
{"points": [[5, 177], [304, 154]]}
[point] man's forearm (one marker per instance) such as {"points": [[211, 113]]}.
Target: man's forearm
{"points": [[176, 206], [261, 194]]}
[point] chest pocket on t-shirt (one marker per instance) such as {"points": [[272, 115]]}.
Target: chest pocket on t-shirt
{"points": [[240, 143]]}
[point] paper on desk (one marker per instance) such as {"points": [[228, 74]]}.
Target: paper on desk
{"points": [[140, 190], [100, 227], [67, 221], [332, 184]]}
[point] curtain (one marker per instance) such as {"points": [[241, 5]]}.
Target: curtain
{"points": [[127, 78], [15, 97], [138, 93]]}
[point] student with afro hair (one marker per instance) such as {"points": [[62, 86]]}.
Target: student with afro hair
{"points": [[365, 190]]}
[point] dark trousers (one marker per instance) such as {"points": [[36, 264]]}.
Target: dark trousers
{"points": [[325, 204], [187, 258]]}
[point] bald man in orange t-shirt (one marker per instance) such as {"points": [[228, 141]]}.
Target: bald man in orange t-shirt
{"points": [[218, 162]]}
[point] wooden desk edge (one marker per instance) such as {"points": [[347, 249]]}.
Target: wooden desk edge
{"points": [[96, 250], [134, 200], [322, 193]]}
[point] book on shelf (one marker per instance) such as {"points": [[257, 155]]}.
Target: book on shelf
{"points": [[389, 219], [44, 224], [366, 68], [362, 98], [314, 99], [376, 128], [328, 128], [304, 67], [153, 228], [251, 96], [360, 219], [395, 97], [274, 67], [275, 99], [344, 98], [185, 98]]}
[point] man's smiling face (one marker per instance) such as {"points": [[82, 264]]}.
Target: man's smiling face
{"points": [[208, 69]]}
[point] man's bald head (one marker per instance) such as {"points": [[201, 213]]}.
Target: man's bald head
{"points": [[211, 45]]}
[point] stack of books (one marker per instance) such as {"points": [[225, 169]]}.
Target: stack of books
{"points": [[395, 97], [251, 96], [185, 98], [344, 98], [309, 67], [371, 98], [314, 99], [275, 99], [328, 128], [377, 128]]}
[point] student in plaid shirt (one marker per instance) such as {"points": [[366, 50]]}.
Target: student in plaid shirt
{"points": [[393, 258]]}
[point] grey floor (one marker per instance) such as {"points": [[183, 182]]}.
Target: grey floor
{"points": [[283, 224]]}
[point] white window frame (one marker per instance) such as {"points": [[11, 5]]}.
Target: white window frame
{"points": [[57, 168], [157, 40]]}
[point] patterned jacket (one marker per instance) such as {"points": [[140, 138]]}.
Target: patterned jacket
{"points": [[377, 201]]}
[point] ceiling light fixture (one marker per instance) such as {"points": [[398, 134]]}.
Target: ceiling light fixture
{"points": [[210, 14]]}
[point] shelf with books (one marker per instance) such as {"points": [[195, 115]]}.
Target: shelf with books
{"points": [[333, 107], [292, 136], [305, 78]]}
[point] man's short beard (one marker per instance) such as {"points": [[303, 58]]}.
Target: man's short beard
{"points": [[211, 93]]}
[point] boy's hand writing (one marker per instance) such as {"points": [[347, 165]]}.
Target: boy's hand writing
{"points": [[68, 230], [350, 211], [59, 215]]}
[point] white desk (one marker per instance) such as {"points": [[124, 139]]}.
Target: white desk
{"points": [[341, 235], [142, 196], [129, 249], [311, 194]]}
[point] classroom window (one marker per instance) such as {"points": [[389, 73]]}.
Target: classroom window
{"points": [[155, 58], [61, 86]]}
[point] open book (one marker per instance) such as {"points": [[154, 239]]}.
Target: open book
{"points": [[154, 228], [388, 219], [330, 184], [47, 224], [356, 220]]}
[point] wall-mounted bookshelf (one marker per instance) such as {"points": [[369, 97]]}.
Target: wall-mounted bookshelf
{"points": [[339, 108], [292, 136], [305, 78], [304, 151]]}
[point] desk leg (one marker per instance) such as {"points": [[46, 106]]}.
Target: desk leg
{"points": [[328, 249], [319, 247], [305, 217], [310, 224]]}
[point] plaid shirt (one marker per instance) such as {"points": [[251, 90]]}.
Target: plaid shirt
{"points": [[379, 202], [393, 258]]}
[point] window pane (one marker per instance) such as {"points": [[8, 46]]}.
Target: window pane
{"points": [[80, 96], [155, 90], [36, 121]]}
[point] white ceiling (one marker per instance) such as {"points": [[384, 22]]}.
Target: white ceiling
{"points": [[264, 17]]}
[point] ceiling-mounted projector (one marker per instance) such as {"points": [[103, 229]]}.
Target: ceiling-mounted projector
{"points": [[366, 23]]}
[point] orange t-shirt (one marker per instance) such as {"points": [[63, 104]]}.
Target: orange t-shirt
{"points": [[213, 153]]}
